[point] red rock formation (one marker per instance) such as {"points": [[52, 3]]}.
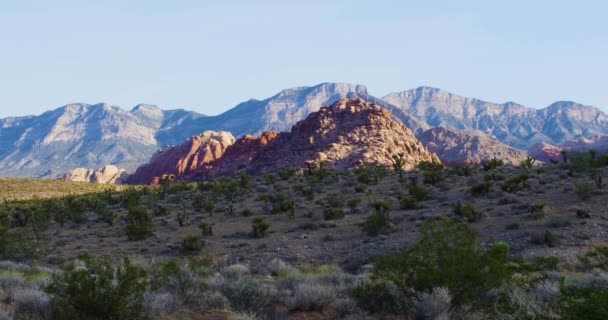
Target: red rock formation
{"points": [[196, 153], [544, 152], [343, 135], [460, 147], [236, 157]]}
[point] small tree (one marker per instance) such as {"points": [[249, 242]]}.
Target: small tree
{"points": [[140, 225], [398, 163], [165, 183], [260, 228], [97, 290], [447, 255]]}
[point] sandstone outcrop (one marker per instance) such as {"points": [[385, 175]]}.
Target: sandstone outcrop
{"points": [[185, 159], [108, 174]]}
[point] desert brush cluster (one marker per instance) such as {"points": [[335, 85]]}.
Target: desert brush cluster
{"points": [[487, 241]]}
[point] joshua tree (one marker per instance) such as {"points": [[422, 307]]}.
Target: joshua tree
{"points": [[165, 183], [398, 163]]}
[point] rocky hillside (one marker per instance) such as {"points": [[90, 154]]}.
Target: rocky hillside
{"points": [[91, 136], [108, 174], [544, 151], [346, 134], [454, 146], [182, 160], [511, 123], [343, 135], [82, 135]]}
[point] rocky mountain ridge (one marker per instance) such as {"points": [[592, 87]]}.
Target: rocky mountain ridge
{"points": [[345, 134], [91, 136], [468, 147]]}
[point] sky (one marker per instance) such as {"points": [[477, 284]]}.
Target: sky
{"points": [[208, 56]]}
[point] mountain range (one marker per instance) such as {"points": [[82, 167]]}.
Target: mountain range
{"points": [[92, 136]]}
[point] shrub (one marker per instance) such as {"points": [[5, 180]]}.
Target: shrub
{"points": [[468, 211], [481, 188], [516, 183], [528, 162], [584, 190], [206, 228], [333, 213], [260, 228], [192, 243], [492, 164], [537, 211], [247, 212], [584, 303], [106, 215], [407, 202], [544, 238], [162, 210], [370, 173], [376, 225], [97, 290], [398, 162], [432, 172], [181, 276], [360, 187], [596, 258], [140, 225], [160, 303], [309, 296], [378, 297], [31, 303], [335, 200], [515, 224], [447, 255], [353, 203], [419, 192]]}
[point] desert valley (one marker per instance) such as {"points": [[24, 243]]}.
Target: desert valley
{"points": [[320, 202]]}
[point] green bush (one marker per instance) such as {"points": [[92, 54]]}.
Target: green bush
{"points": [[468, 211], [492, 164], [516, 183], [584, 190], [515, 224], [584, 303], [449, 255], [192, 243], [247, 212], [537, 211], [432, 173], [481, 188], [376, 224], [140, 225], [596, 258], [419, 192], [260, 228], [407, 202], [370, 173], [97, 290], [333, 213]]}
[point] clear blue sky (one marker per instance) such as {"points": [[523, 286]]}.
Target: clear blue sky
{"points": [[210, 55]]}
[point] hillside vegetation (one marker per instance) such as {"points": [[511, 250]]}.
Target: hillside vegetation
{"points": [[460, 242]]}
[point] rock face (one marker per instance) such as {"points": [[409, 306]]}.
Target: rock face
{"points": [[108, 174], [453, 146], [82, 135], [346, 134], [90, 136], [545, 152], [513, 124], [343, 135], [239, 155], [184, 159]]}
